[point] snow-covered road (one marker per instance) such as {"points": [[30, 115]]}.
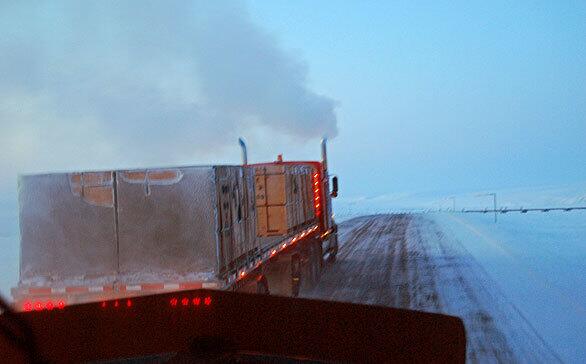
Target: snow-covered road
{"points": [[408, 261], [539, 262]]}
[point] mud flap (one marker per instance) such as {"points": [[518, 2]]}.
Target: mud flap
{"points": [[284, 276], [333, 245], [312, 265], [295, 275]]}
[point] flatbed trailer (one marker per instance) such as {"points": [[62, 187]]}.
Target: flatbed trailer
{"points": [[96, 236]]}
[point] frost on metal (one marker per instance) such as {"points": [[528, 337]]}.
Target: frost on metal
{"points": [[168, 226], [57, 281], [168, 275], [173, 224], [152, 176], [95, 188], [128, 278], [62, 235]]}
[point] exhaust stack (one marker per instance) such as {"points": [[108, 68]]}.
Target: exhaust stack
{"points": [[324, 156], [244, 151]]}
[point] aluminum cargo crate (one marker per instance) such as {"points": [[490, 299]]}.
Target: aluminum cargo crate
{"points": [[131, 225]]}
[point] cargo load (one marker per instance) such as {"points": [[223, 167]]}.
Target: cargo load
{"points": [[284, 198], [103, 234], [128, 225]]}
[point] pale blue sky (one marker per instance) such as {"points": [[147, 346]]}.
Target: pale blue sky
{"points": [[446, 95]]}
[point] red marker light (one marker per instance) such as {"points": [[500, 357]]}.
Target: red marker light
{"points": [[49, 305], [60, 304], [128, 303], [173, 302], [196, 301], [104, 304], [27, 306], [116, 304], [38, 306], [185, 301], [207, 301]]}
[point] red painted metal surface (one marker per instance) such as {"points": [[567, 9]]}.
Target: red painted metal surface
{"points": [[286, 327]]}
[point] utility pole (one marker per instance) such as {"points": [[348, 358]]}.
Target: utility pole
{"points": [[494, 203]]}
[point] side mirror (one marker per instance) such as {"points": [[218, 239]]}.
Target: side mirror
{"points": [[334, 187]]}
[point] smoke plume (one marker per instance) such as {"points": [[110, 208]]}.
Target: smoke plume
{"points": [[143, 81]]}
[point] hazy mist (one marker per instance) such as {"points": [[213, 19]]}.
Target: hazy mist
{"points": [[106, 84]]}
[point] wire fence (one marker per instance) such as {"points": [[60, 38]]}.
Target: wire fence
{"points": [[522, 210]]}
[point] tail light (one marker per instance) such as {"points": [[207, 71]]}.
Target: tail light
{"points": [[117, 303], [29, 306], [193, 301]]}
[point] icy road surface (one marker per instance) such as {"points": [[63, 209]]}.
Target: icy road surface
{"points": [[407, 261]]}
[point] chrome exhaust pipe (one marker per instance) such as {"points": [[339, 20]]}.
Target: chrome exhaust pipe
{"points": [[324, 156], [244, 152]]}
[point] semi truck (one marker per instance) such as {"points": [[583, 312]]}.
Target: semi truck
{"points": [[105, 235]]}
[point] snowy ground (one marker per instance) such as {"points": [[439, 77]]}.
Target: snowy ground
{"points": [[408, 261], [538, 262], [519, 285]]}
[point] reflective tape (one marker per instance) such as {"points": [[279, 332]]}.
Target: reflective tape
{"points": [[171, 286]]}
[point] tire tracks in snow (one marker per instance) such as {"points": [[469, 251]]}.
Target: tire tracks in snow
{"points": [[406, 261]]}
